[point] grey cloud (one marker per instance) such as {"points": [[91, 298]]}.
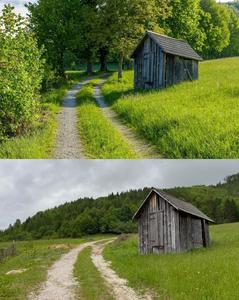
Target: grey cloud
{"points": [[28, 186]]}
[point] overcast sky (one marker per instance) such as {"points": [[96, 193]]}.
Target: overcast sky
{"points": [[19, 4], [28, 186]]}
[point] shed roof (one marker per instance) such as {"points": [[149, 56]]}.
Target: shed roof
{"points": [[178, 204], [170, 45]]}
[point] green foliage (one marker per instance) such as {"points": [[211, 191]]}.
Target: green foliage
{"points": [[100, 138], [113, 214], [21, 72], [92, 286], [51, 20], [40, 142], [184, 22], [190, 120], [201, 274], [215, 24]]}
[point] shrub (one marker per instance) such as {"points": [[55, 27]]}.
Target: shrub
{"points": [[21, 72]]}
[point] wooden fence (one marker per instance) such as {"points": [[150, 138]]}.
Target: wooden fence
{"points": [[10, 251]]}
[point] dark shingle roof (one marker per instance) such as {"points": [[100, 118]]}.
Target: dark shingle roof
{"points": [[177, 204], [171, 46]]}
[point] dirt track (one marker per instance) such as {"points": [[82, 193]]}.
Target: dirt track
{"points": [[118, 286], [140, 146], [60, 282], [68, 141]]}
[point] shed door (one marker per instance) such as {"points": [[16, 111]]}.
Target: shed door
{"points": [[156, 229]]}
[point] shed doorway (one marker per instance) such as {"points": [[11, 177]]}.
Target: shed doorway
{"points": [[156, 231]]}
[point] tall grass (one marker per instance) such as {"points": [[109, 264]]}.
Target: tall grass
{"points": [[190, 120], [210, 273], [101, 140]]}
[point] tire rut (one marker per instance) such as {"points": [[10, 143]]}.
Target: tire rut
{"points": [[118, 286], [142, 148], [69, 145]]}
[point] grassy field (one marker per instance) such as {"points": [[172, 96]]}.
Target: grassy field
{"points": [[100, 139], [36, 257], [92, 286], [190, 120], [40, 142], [210, 273]]}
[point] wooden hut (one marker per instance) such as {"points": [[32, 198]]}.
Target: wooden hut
{"points": [[161, 61], [168, 224]]}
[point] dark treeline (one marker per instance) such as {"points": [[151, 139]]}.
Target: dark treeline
{"points": [[113, 214]]}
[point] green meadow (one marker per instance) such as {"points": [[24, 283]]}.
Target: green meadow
{"points": [[190, 120], [210, 273]]}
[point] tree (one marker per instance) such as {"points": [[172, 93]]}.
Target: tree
{"points": [[230, 211], [52, 21], [20, 76], [233, 48], [86, 40], [184, 22], [214, 22], [128, 20]]}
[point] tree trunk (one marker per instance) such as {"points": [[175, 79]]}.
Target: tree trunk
{"points": [[120, 69], [103, 60], [89, 67], [60, 65]]}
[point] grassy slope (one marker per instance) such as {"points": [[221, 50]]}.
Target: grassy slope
{"points": [[190, 120], [41, 141], [210, 273], [101, 140], [92, 286], [36, 257]]}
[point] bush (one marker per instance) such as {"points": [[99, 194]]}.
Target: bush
{"points": [[21, 72]]}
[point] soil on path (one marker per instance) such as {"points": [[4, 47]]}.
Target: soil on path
{"points": [[142, 148], [68, 141], [118, 286], [60, 284]]}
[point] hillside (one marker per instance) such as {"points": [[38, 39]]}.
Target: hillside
{"points": [[113, 214]]}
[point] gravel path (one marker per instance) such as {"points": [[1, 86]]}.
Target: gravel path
{"points": [[68, 141], [117, 285], [60, 282], [140, 146]]}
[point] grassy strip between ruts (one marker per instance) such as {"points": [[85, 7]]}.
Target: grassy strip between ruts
{"points": [[101, 140], [91, 284], [40, 142], [190, 120], [209, 273]]}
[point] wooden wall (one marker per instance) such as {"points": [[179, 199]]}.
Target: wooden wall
{"points": [[163, 229], [153, 69]]}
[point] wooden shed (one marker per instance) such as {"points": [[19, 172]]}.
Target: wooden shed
{"points": [[161, 61], [168, 224]]}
